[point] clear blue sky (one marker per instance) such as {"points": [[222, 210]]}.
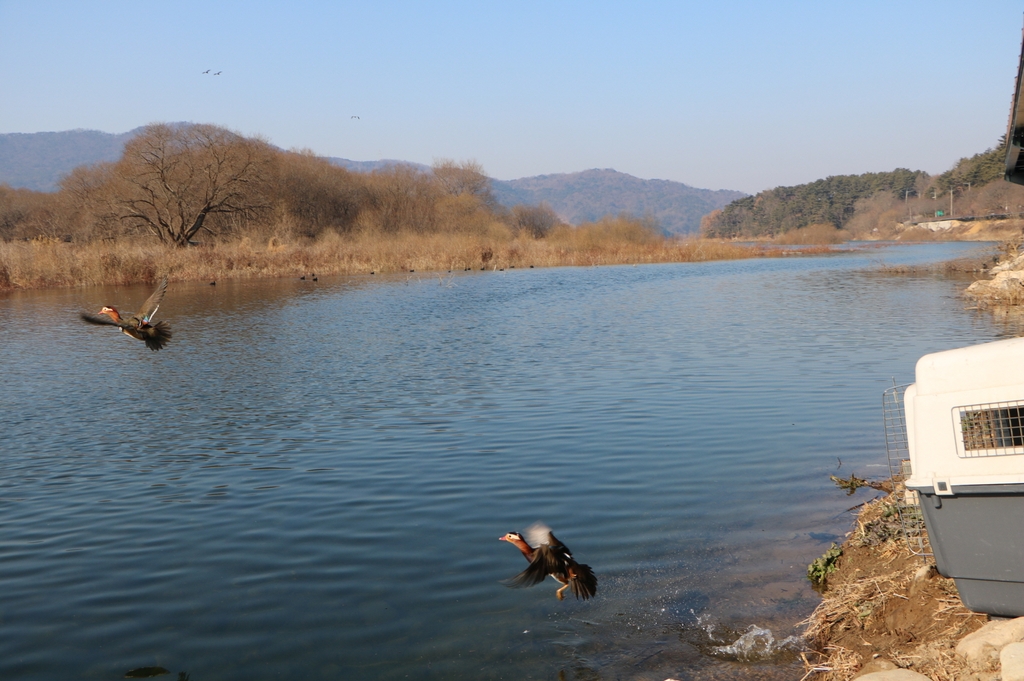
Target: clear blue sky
{"points": [[722, 94]]}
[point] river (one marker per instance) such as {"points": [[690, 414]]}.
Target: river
{"points": [[311, 479]]}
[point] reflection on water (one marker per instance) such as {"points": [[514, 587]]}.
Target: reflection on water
{"points": [[310, 480]]}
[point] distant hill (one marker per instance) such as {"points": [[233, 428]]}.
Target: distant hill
{"points": [[832, 201], [591, 194], [370, 166], [38, 160]]}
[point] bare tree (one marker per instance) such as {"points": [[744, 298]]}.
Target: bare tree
{"points": [[467, 177], [171, 179]]}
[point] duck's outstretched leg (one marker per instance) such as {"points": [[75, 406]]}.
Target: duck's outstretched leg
{"points": [[559, 592]]}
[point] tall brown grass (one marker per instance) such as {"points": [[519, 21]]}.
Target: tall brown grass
{"points": [[47, 262]]}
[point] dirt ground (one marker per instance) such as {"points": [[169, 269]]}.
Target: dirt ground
{"points": [[975, 230], [885, 604]]}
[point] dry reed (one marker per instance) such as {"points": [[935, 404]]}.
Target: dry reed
{"points": [[52, 263]]}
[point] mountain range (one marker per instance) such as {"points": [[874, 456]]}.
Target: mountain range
{"points": [[588, 195], [38, 160]]}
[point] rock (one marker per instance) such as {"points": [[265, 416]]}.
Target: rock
{"points": [[1011, 662], [894, 675], [1015, 264], [1005, 282], [981, 648], [879, 664], [980, 288], [922, 577]]}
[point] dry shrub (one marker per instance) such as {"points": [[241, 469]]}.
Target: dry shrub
{"points": [[533, 221], [605, 234], [816, 234], [314, 195], [618, 230], [398, 199], [274, 245], [955, 267], [465, 214], [877, 217]]}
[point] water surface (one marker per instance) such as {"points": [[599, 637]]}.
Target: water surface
{"points": [[310, 480]]}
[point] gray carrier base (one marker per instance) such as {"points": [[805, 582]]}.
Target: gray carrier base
{"points": [[977, 537], [965, 436]]}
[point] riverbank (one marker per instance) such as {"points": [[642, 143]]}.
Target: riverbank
{"points": [[885, 608], [43, 263]]}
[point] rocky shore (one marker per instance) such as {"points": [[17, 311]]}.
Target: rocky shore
{"points": [[1005, 285], [887, 615]]}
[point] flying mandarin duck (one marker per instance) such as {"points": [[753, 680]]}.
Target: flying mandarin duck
{"points": [[548, 556], [139, 325]]}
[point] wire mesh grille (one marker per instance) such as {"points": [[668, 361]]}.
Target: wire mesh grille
{"points": [[995, 429], [897, 450]]}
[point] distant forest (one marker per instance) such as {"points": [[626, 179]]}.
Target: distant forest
{"points": [[873, 202]]}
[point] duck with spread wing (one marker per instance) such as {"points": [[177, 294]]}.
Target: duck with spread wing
{"points": [[549, 556], [139, 325]]}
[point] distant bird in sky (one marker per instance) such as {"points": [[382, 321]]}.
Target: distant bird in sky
{"points": [[138, 325], [206, 71], [218, 73], [356, 117], [548, 556]]}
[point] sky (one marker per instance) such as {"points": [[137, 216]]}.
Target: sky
{"points": [[719, 94]]}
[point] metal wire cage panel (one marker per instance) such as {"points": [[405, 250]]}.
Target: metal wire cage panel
{"points": [[995, 429], [897, 451]]}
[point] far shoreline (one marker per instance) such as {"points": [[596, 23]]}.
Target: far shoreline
{"points": [[51, 263]]}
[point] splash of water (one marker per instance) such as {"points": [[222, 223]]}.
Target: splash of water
{"points": [[758, 643]]}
